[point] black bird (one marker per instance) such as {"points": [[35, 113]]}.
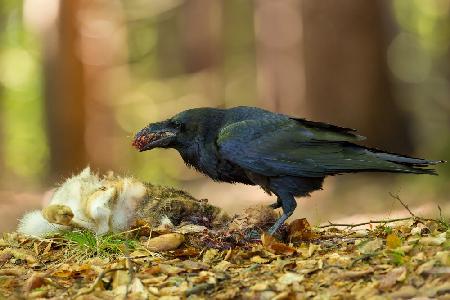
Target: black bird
{"points": [[284, 155]]}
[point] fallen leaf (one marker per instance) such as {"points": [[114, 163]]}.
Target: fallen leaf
{"points": [[290, 277], [259, 260], [210, 256], [36, 280], [222, 266], [443, 257], [425, 267], [300, 230], [169, 269], [370, 246], [274, 246], [165, 242], [394, 275], [193, 265], [433, 240], [393, 241], [354, 274], [405, 292], [259, 287], [339, 260]]}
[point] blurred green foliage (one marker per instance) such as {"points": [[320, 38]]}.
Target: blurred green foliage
{"points": [[24, 144], [419, 57]]}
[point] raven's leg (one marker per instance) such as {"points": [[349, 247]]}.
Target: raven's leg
{"points": [[288, 204]]}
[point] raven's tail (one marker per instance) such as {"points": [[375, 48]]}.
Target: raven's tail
{"points": [[405, 164]]}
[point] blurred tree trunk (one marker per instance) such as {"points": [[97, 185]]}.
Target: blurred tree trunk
{"points": [[200, 25], [101, 49], [280, 65], [65, 94], [2, 138], [2, 133], [347, 81]]}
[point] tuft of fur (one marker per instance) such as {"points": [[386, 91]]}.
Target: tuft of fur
{"points": [[34, 224]]}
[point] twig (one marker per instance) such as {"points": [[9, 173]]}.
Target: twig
{"points": [[97, 281], [330, 224], [396, 197]]}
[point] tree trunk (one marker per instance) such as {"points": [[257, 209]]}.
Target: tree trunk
{"points": [[347, 80], [280, 65], [65, 94]]}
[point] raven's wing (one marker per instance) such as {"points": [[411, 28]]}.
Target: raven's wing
{"points": [[283, 146]]}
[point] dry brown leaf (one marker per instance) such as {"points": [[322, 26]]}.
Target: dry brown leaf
{"points": [[36, 280], [120, 278], [300, 230], [222, 266], [371, 246], [169, 269], [274, 246], [405, 292], [259, 260], [210, 256], [336, 259], [290, 277], [443, 257], [425, 267], [394, 275], [165, 242], [11, 272], [193, 265], [354, 274], [433, 240]]}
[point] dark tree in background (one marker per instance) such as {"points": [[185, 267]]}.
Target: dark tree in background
{"points": [[347, 80], [65, 94], [279, 52]]}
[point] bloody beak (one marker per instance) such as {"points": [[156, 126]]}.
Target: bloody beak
{"points": [[153, 136]]}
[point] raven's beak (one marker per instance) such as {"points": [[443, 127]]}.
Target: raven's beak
{"points": [[153, 136]]}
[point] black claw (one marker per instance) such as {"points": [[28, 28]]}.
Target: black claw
{"points": [[253, 235]]}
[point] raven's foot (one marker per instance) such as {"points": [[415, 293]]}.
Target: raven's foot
{"points": [[278, 224], [275, 205], [253, 235]]}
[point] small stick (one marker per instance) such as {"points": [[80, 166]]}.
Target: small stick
{"points": [[96, 282], [396, 197], [330, 224]]}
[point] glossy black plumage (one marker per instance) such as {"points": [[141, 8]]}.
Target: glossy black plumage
{"points": [[285, 156]]}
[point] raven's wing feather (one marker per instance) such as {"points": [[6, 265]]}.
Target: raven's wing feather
{"points": [[277, 147], [320, 127]]}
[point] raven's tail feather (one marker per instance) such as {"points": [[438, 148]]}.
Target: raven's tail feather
{"points": [[407, 164]]}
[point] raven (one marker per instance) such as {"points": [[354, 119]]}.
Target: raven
{"points": [[284, 155]]}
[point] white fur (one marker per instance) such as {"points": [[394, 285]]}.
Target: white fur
{"points": [[34, 224], [94, 204], [127, 203]]}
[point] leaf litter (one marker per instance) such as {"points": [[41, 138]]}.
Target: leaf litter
{"points": [[408, 258]]}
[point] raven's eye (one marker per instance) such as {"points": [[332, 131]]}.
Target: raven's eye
{"points": [[176, 124]]}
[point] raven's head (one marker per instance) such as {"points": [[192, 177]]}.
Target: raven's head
{"points": [[157, 135], [180, 131]]}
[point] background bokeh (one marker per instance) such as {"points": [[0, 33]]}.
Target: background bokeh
{"points": [[78, 78]]}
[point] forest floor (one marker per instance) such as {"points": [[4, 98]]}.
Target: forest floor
{"points": [[378, 259]]}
